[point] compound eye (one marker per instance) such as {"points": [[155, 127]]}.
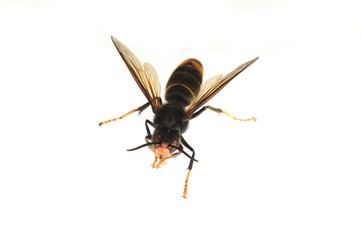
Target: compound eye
{"points": [[156, 137], [175, 142]]}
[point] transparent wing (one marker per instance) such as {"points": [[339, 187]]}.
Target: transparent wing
{"points": [[153, 84], [212, 86], [146, 77]]}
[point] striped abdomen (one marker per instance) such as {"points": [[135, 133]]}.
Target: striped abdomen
{"points": [[184, 83]]}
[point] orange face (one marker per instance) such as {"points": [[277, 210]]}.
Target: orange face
{"points": [[167, 144], [162, 150]]}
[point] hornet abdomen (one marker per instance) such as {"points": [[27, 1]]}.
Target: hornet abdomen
{"points": [[184, 83]]}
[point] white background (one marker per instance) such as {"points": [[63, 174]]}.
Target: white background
{"points": [[293, 174]]}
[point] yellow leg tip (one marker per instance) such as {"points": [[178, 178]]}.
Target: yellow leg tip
{"points": [[247, 119], [186, 185], [154, 163]]}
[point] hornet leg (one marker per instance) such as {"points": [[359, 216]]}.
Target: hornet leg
{"points": [[140, 109], [148, 138], [162, 161], [189, 167], [218, 110], [149, 135]]}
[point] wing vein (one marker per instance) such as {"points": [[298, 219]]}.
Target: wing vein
{"points": [[212, 86], [146, 77]]}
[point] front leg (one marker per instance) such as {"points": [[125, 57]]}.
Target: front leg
{"points": [[149, 135], [148, 139], [162, 161]]}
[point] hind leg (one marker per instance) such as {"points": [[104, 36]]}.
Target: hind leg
{"points": [[218, 110]]}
